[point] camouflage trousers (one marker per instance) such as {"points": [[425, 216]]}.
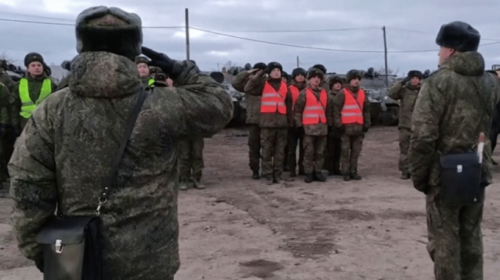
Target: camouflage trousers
{"points": [[350, 150], [314, 153], [404, 145], [273, 142], [254, 147], [455, 239], [191, 159], [332, 154], [295, 138]]}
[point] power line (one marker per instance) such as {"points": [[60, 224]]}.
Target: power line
{"points": [[299, 31], [72, 24]]}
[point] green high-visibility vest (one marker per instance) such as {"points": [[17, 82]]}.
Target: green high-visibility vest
{"points": [[151, 82], [27, 105]]}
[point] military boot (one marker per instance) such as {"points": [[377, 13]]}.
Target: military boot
{"points": [[405, 175], [269, 180], [309, 178], [197, 184], [347, 177], [256, 175], [355, 176], [318, 176]]}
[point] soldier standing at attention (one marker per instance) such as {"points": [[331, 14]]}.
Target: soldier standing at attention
{"points": [[406, 91], [454, 106], [33, 89], [253, 116], [333, 147], [312, 111], [352, 118], [296, 132], [142, 63], [273, 122]]}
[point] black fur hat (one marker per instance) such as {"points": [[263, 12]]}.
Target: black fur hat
{"points": [[333, 80], [33, 57], [260, 65], [415, 73], [353, 74], [320, 67], [273, 65], [313, 72], [459, 36], [298, 71], [110, 30]]}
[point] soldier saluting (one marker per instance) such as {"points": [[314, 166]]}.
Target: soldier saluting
{"points": [[406, 91], [454, 106]]}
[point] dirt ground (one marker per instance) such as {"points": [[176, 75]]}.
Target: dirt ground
{"points": [[239, 228]]}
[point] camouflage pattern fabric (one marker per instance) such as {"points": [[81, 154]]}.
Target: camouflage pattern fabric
{"points": [[273, 142], [350, 150], [314, 153], [63, 83], [404, 145], [350, 129], [407, 94], [252, 101], [34, 87], [63, 158], [254, 147], [461, 85], [320, 129], [191, 159], [7, 80], [455, 240]]}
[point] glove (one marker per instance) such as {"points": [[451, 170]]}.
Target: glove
{"points": [[365, 129], [422, 188], [159, 60], [405, 80], [39, 264]]}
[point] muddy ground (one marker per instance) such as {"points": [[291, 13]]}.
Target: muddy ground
{"points": [[239, 228]]}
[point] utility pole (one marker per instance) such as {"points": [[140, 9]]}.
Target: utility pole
{"points": [[385, 53], [187, 34], [298, 64]]}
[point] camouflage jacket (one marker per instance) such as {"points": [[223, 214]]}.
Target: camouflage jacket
{"points": [[5, 119], [408, 95], [64, 155], [453, 106], [319, 129], [7, 80], [252, 101], [34, 87], [350, 129], [255, 87]]}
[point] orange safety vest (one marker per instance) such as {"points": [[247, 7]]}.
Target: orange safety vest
{"points": [[273, 101], [352, 112], [295, 94], [314, 111]]}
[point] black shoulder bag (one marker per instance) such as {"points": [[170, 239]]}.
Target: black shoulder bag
{"points": [[72, 248], [460, 175]]}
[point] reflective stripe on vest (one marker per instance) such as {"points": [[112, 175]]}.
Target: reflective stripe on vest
{"points": [[314, 111], [352, 112], [273, 101], [27, 105], [295, 94], [151, 82]]}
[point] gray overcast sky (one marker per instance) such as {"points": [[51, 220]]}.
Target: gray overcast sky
{"points": [[411, 26]]}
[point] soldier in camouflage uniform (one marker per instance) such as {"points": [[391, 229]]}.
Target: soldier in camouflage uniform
{"points": [[406, 91], [333, 147], [39, 86], [5, 78], [296, 133], [253, 116], [12, 126], [275, 111], [63, 157], [351, 117], [143, 69], [313, 111], [5, 131], [455, 104], [191, 162]]}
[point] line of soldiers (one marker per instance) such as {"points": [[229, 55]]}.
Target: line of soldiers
{"points": [[325, 119], [18, 101]]}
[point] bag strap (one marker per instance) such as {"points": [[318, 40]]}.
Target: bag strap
{"points": [[111, 180]]}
